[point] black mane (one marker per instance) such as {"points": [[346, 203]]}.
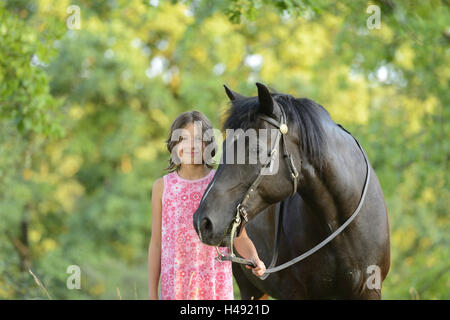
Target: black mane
{"points": [[306, 116]]}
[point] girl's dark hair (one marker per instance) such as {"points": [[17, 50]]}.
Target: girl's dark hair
{"points": [[182, 121]]}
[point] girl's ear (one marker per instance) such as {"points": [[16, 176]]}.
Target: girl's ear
{"points": [[176, 155]]}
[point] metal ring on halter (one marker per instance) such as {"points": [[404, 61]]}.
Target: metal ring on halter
{"points": [[220, 256], [232, 257]]}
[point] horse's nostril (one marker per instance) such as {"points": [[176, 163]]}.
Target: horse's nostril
{"points": [[206, 226]]}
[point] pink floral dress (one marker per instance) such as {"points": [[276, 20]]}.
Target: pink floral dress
{"points": [[188, 267]]}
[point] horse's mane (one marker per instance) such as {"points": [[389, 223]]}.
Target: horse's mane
{"points": [[306, 116]]}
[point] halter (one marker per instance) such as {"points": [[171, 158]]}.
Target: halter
{"points": [[242, 212]]}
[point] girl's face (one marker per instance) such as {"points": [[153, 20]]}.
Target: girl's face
{"points": [[190, 148]]}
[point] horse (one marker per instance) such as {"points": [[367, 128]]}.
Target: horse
{"points": [[324, 194]]}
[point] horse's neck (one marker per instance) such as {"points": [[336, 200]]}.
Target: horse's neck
{"points": [[335, 190]]}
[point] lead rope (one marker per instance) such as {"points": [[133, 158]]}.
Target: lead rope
{"points": [[240, 210], [330, 237], [276, 240]]}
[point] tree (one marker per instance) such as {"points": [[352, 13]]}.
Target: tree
{"points": [[84, 115]]}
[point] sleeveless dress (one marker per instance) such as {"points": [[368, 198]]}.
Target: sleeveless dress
{"points": [[188, 267]]}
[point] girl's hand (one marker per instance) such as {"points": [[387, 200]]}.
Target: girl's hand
{"points": [[259, 269]]}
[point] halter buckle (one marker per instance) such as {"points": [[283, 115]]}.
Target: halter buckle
{"points": [[242, 212], [220, 255]]}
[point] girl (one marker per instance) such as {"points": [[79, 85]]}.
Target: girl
{"points": [[186, 267]]}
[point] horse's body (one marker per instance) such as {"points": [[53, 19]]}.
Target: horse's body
{"points": [[327, 194], [332, 272]]}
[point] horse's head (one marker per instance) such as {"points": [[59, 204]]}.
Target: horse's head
{"points": [[248, 155]]}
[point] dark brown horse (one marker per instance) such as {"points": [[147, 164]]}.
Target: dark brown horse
{"points": [[331, 177]]}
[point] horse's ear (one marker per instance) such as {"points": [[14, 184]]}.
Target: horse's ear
{"points": [[265, 99], [232, 95]]}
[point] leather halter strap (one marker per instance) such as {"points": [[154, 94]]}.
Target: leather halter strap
{"points": [[241, 211], [286, 154], [281, 133]]}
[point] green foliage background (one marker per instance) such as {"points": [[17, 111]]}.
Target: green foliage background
{"points": [[84, 114]]}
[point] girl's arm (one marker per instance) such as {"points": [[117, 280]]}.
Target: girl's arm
{"points": [[247, 250], [154, 251]]}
